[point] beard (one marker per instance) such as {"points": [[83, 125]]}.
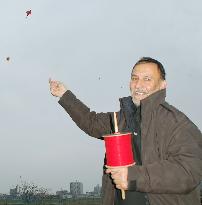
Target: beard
{"points": [[135, 100]]}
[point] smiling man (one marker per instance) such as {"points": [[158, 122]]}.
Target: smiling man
{"points": [[146, 78], [167, 146]]}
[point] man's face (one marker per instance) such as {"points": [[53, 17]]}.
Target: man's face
{"points": [[145, 80]]}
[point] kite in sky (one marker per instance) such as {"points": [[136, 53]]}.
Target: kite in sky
{"points": [[29, 12], [8, 58]]}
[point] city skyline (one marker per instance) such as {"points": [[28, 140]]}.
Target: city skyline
{"points": [[73, 186]]}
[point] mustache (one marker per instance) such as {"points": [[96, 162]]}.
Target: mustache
{"points": [[139, 90]]}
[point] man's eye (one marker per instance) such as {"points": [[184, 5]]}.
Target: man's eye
{"points": [[147, 79], [134, 78]]}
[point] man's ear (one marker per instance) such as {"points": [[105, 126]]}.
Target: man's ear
{"points": [[163, 84]]}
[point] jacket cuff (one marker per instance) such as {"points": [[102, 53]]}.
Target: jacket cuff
{"points": [[65, 95], [132, 185], [134, 177], [67, 99]]}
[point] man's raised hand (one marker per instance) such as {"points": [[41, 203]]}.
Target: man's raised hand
{"points": [[57, 88]]}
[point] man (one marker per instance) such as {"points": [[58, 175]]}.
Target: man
{"points": [[167, 146]]}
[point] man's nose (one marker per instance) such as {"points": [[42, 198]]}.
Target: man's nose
{"points": [[139, 83]]}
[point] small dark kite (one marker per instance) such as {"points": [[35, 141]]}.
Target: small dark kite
{"points": [[29, 12]]}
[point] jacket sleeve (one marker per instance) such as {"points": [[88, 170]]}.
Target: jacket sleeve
{"points": [[179, 173], [92, 123]]}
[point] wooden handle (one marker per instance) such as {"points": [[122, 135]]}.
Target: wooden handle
{"points": [[116, 129], [115, 123], [123, 194]]}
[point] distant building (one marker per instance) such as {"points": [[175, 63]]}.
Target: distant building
{"points": [[63, 194], [14, 192], [90, 194], [97, 190], [76, 189], [96, 193]]}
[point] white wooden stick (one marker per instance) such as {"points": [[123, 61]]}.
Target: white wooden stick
{"points": [[123, 194], [115, 123]]}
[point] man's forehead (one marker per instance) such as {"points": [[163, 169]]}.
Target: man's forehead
{"points": [[146, 69]]}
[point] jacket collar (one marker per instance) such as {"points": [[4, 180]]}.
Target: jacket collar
{"points": [[147, 104], [153, 101]]}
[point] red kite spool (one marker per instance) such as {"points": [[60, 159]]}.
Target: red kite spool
{"points": [[119, 149]]}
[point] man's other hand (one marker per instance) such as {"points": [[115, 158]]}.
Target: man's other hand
{"points": [[119, 176]]}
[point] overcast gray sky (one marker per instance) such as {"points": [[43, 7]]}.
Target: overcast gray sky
{"points": [[78, 42]]}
